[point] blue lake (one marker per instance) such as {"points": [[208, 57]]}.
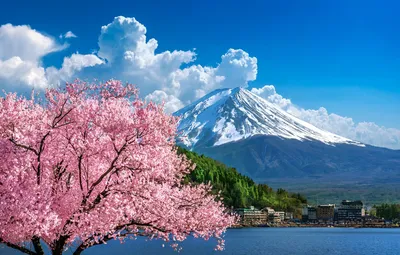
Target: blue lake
{"points": [[278, 241]]}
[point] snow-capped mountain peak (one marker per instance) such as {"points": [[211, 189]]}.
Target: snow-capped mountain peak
{"points": [[228, 115]]}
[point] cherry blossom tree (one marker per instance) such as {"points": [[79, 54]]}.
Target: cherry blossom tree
{"points": [[91, 163]]}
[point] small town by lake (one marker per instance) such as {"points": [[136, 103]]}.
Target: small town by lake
{"points": [[282, 241]]}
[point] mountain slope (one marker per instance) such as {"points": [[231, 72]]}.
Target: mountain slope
{"points": [[239, 190], [229, 115], [269, 145], [262, 157]]}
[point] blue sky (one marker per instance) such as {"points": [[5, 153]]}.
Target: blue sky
{"points": [[340, 55]]}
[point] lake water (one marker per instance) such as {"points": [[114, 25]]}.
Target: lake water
{"points": [[279, 241]]}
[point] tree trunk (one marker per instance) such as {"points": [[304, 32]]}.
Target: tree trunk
{"points": [[37, 245], [78, 251], [59, 246], [57, 251]]}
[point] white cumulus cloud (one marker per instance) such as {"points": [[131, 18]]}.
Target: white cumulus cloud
{"points": [[70, 66], [21, 51], [14, 71], [171, 103], [127, 54], [131, 56], [26, 43], [236, 69], [268, 92], [69, 34]]}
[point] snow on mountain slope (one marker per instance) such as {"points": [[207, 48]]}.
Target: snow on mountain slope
{"points": [[228, 115]]}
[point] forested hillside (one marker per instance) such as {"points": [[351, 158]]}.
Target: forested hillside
{"points": [[388, 211], [239, 190]]}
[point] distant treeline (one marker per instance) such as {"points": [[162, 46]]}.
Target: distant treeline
{"points": [[239, 190], [388, 211]]}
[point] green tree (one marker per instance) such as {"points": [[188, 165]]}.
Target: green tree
{"points": [[239, 190]]}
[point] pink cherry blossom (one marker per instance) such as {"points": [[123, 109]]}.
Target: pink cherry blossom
{"points": [[91, 163]]}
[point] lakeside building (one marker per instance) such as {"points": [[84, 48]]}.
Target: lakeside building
{"points": [[274, 218], [252, 216], [335, 217], [268, 210], [288, 216], [325, 212], [309, 213], [312, 213], [348, 211], [351, 211], [281, 215], [304, 214]]}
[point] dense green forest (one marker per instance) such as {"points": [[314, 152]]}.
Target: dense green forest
{"points": [[239, 190], [388, 211]]}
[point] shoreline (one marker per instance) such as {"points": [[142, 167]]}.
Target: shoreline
{"points": [[314, 226]]}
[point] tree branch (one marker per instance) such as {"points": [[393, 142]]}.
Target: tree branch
{"points": [[37, 245], [86, 244], [80, 171], [104, 174], [39, 154], [61, 116], [83, 246], [17, 247], [23, 146], [93, 186]]}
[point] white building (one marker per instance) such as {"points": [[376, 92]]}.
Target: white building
{"points": [[281, 215], [268, 210]]}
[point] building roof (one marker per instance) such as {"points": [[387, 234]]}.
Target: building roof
{"points": [[268, 208], [328, 205], [247, 209], [348, 202]]}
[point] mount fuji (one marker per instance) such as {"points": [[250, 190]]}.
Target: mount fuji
{"points": [[261, 140], [229, 115]]}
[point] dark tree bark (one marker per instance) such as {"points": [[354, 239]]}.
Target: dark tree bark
{"points": [[37, 246], [59, 245]]}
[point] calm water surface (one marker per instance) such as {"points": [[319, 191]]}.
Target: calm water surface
{"points": [[277, 241]]}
